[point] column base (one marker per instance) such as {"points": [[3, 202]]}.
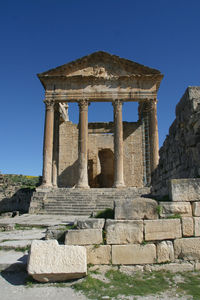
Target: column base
{"points": [[82, 186], [45, 185], [119, 185]]}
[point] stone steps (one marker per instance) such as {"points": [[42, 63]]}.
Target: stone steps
{"points": [[68, 201]]}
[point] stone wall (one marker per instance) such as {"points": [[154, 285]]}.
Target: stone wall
{"points": [[100, 154], [179, 155], [169, 234], [13, 197]]}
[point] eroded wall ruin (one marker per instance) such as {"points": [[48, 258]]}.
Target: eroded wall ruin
{"points": [[179, 155]]}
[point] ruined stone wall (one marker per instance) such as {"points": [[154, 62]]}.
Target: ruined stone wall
{"points": [[179, 155], [13, 197], [100, 148]]}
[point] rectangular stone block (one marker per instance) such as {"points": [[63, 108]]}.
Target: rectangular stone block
{"points": [[90, 223], [196, 209], [165, 252], [172, 208], [136, 209], [83, 237], [162, 229], [124, 231], [184, 189], [49, 262], [187, 248], [197, 226], [99, 255], [133, 254], [187, 226]]}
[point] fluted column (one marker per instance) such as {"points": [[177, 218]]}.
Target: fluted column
{"points": [[83, 144], [55, 145], [153, 136], [118, 145], [48, 143]]}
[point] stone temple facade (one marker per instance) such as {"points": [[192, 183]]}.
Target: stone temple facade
{"points": [[100, 155]]}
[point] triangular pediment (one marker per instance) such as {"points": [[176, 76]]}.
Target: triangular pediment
{"points": [[100, 64]]}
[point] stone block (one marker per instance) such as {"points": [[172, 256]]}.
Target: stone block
{"points": [[165, 252], [184, 189], [197, 226], [187, 226], [172, 267], [196, 209], [98, 255], [131, 270], [187, 248], [136, 209], [162, 229], [55, 233], [83, 237], [90, 223], [49, 262], [172, 208], [124, 231], [133, 254]]}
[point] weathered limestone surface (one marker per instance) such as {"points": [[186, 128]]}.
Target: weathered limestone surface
{"points": [[133, 254], [172, 208], [83, 145], [98, 255], [90, 223], [83, 237], [132, 151], [184, 189], [124, 232], [171, 267], [118, 145], [179, 155], [165, 252], [162, 229], [187, 226], [136, 209], [130, 270], [196, 209], [187, 248], [49, 262], [197, 226], [55, 232]]}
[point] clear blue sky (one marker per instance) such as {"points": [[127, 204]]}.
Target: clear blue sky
{"points": [[37, 35]]}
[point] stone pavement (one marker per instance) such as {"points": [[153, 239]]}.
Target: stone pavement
{"points": [[13, 257], [14, 243], [39, 220], [12, 286]]}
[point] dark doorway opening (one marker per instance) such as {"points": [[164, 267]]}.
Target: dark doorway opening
{"points": [[106, 177]]}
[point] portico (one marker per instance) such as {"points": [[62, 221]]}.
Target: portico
{"points": [[99, 77]]}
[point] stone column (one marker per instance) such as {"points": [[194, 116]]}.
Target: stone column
{"points": [[153, 135], [118, 145], [83, 145], [55, 145], [48, 144]]}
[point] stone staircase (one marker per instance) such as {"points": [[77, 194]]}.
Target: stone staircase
{"points": [[68, 201]]}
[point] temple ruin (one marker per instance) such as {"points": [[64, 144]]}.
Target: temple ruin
{"points": [[100, 155]]}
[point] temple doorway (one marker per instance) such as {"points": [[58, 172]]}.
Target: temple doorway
{"points": [[106, 177]]}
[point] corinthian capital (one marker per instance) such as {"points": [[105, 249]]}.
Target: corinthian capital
{"points": [[83, 104], [149, 105], [117, 104], [49, 104]]}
